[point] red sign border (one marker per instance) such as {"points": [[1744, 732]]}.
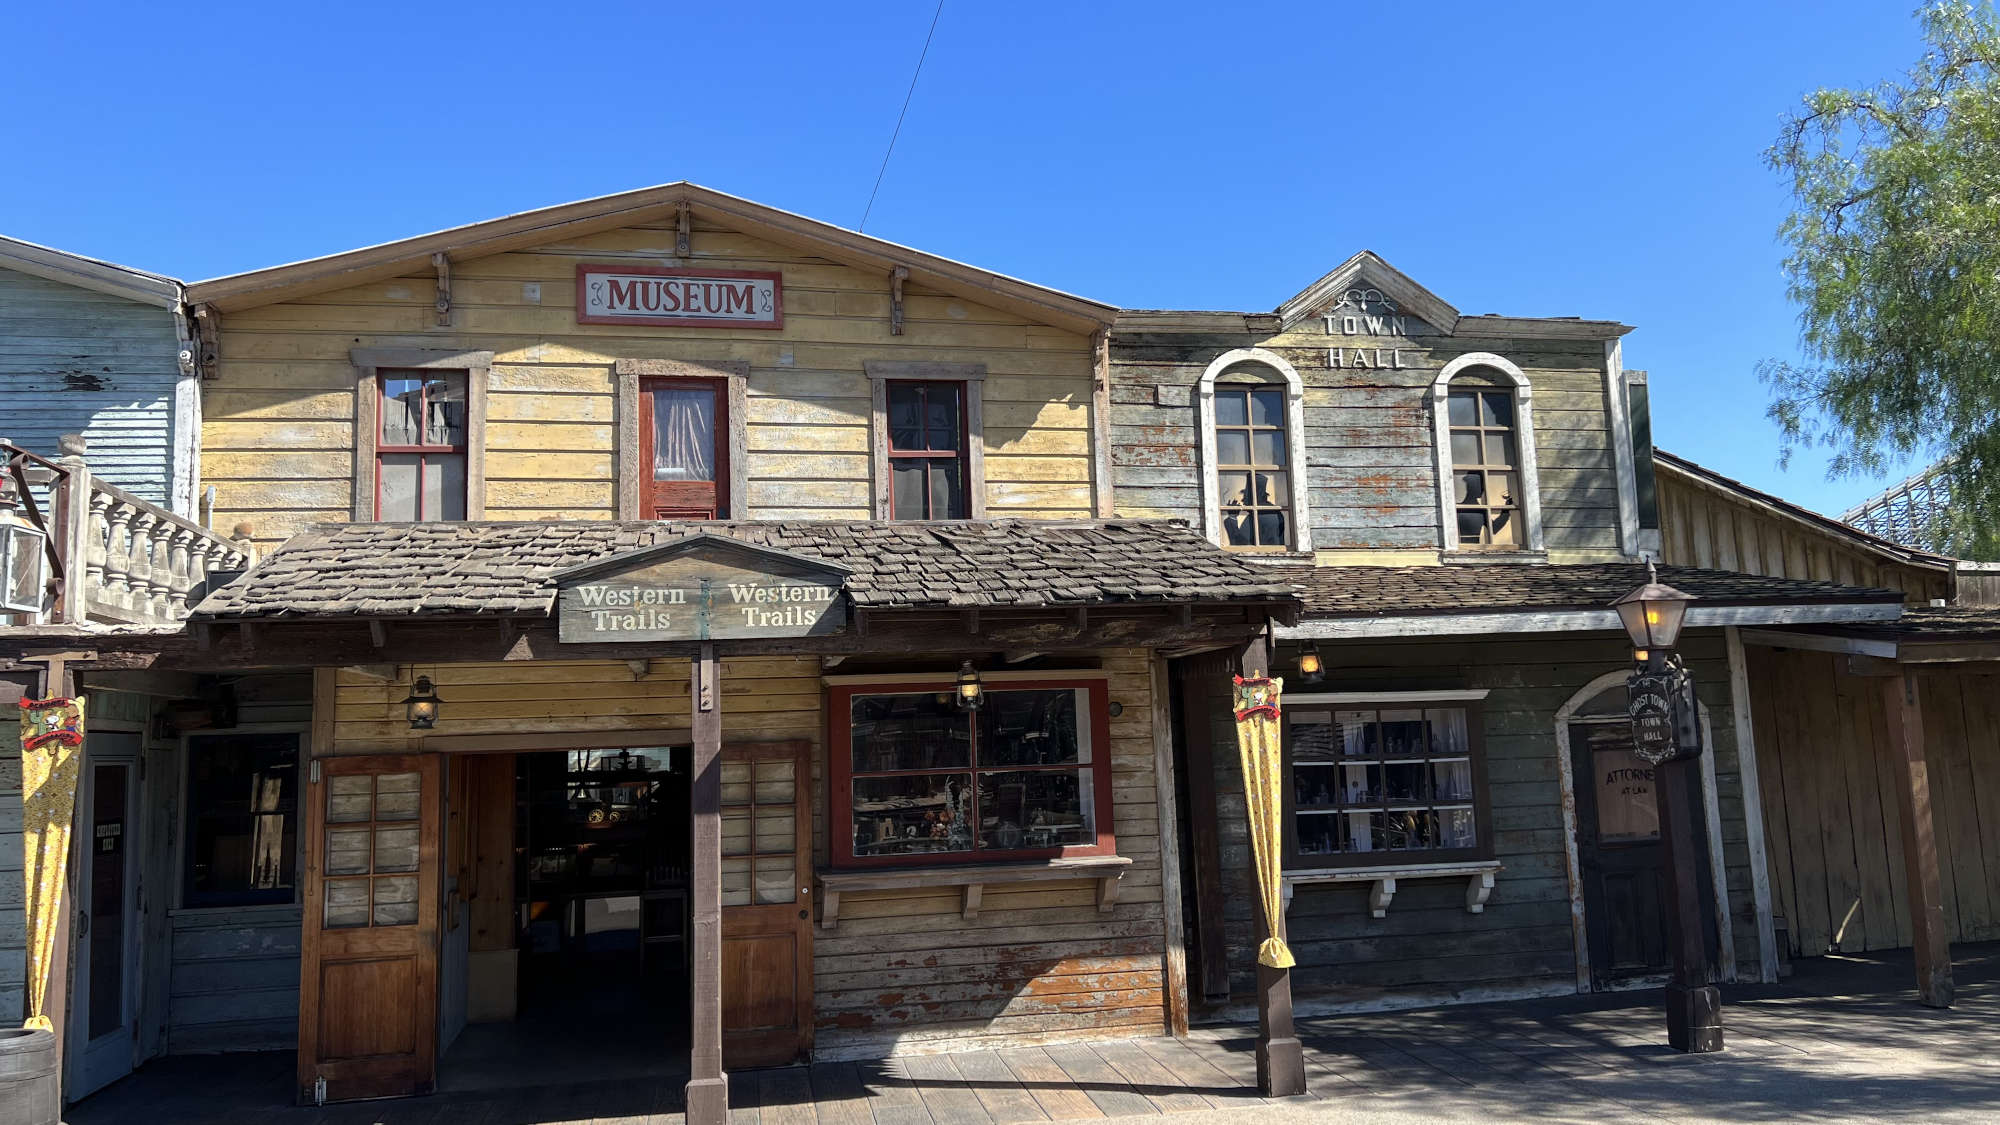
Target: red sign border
{"points": [[777, 294]]}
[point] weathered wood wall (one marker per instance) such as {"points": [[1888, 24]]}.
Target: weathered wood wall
{"points": [[1427, 948], [74, 360], [13, 890], [1835, 828], [1708, 526], [902, 971], [1370, 449], [278, 429]]}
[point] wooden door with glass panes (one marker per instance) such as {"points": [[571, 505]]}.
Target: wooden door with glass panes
{"points": [[368, 966], [766, 903], [683, 449]]}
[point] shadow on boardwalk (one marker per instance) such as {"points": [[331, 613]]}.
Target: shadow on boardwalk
{"points": [[1841, 1038]]}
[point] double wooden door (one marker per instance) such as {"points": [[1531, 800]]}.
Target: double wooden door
{"points": [[368, 981], [766, 903]]}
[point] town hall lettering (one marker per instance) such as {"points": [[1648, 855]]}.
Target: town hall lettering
{"points": [[1365, 313]]}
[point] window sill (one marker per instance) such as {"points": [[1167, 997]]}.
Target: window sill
{"points": [[1517, 557], [1477, 873], [973, 878], [1286, 558]]}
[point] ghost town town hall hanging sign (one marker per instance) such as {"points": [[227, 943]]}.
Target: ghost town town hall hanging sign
{"points": [[701, 588], [688, 297]]}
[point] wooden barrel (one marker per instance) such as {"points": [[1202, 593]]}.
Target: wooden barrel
{"points": [[29, 1091]]}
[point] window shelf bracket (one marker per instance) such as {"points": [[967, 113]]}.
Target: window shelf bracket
{"points": [[1478, 876]]}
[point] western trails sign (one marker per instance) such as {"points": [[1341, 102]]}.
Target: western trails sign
{"points": [[688, 297], [702, 588]]}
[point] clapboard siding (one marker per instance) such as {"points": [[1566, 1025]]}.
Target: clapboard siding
{"points": [[235, 980], [1370, 462], [13, 892], [1705, 523], [278, 419], [75, 360], [904, 972], [1428, 947]]}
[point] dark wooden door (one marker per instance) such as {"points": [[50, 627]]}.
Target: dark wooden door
{"points": [[684, 449], [766, 904], [368, 971], [1625, 891]]}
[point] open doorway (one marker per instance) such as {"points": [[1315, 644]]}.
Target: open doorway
{"points": [[593, 978]]}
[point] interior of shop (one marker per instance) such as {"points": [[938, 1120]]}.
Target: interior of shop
{"points": [[598, 947]]}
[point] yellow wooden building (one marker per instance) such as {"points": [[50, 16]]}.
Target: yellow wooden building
{"points": [[628, 570]]}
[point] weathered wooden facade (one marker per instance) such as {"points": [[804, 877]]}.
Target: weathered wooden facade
{"points": [[1460, 498], [430, 438], [1840, 793]]}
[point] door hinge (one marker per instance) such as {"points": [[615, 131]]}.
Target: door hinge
{"points": [[319, 1090], [314, 776]]}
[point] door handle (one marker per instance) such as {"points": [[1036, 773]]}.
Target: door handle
{"points": [[82, 924]]}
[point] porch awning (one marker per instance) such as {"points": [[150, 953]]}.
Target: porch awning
{"points": [[1462, 599], [440, 570]]}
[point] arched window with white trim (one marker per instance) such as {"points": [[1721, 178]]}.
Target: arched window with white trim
{"points": [[1489, 493], [1254, 490]]}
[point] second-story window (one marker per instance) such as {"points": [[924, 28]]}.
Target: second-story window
{"points": [[927, 450], [1485, 465], [421, 446], [687, 468], [1252, 466]]}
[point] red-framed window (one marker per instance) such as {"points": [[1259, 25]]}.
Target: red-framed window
{"points": [[683, 449], [420, 443], [927, 450], [915, 780]]}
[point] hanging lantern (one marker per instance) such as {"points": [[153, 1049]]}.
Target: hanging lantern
{"points": [[422, 704], [1652, 614], [971, 694], [24, 560], [1311, 669]]}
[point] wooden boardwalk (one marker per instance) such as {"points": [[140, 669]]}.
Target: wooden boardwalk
{"points": [[1839, 1039]]}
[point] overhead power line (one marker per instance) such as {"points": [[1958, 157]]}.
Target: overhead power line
{"points": [[925, 53]]}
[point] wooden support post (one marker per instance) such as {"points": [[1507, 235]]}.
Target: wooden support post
{"points": [[1694, 1006], [1281, 1063], [707, 1087], [1929, 936]]}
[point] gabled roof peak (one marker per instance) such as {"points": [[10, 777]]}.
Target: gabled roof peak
{"points": [[1364, 273]]}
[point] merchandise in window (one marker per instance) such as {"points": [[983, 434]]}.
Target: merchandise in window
{"points": [[1252, 466], [420, 446], [1384, 785], [242, 819], [922, 780]]}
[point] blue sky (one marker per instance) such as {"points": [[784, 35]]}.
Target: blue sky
{"points": [[1550, 159]]}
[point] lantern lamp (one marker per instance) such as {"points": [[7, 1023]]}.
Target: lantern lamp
{"points": [[971, 694], [422, 704], [1653, 613], [1311, 669], [24, 562]]}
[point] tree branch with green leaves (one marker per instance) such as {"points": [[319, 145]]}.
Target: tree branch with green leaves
{"points": [[1893, 257]]}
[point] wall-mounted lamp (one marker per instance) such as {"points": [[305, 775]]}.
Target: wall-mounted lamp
{"points": [[422, 704], [1311, 669], [971, 695]]}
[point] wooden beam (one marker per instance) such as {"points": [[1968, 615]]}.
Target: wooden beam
{"points": [[1165, 797], [441, 262], [1930, 935], [208, 330], [1753, 805], [707, 1086], [1281, 1064], [1100, 424], [378, 633], [897, 277], [683, 230]]}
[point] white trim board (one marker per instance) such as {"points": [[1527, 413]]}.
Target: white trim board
{"points": [[1524, 445], [1753, 807], [1615, 400], [1819, 642], [1441, 695], [1576, 621], [1295, 440]]}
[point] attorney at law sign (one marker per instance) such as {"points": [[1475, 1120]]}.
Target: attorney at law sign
{"points": [[664, 296]]}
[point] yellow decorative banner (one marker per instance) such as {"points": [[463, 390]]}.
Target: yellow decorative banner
{"points": [[51, 758], [1258, 739]]}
